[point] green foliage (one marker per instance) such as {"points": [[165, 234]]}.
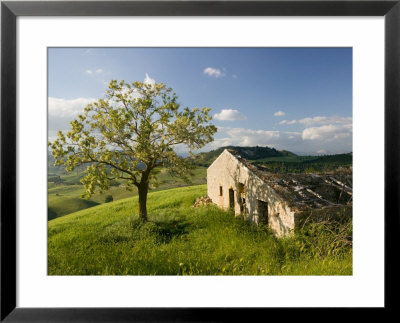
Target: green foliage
{"points": [[130, 134], [108, 199], [178, 239]]}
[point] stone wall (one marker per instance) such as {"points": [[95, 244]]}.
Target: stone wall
{"points": [[249, 191]]}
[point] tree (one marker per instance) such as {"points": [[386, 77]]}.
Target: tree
{"points": [[108, 199], [131, 135]]}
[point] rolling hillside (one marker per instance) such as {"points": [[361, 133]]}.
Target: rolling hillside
{"points": [[65, 189], [62, 205], [65, 197], [109, 239]]}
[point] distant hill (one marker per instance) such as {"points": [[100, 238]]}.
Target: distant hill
{"points": [[281, 161], [308, 164], [249, 153]]}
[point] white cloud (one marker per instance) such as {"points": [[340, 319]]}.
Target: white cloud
{"points": [[215, 72], [249, 137], [279, 113], [288, 122], [332, 139], [149, 80], [229, 115], [325, 120], [91, 72], [328, 133], [308, 122], [234, 76], [62, 108], [320, 135]]}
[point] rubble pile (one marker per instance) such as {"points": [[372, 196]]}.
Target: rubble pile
{"points": [[202, 201]]}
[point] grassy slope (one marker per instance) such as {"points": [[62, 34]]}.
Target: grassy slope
{"points": [[178, 240], [68, 199], [61, 205]]}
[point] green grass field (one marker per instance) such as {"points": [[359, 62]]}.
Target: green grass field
{"points": [[109, 239]]}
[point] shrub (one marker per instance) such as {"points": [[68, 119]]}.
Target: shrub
{"points": [[108, 199], [331, 237]]}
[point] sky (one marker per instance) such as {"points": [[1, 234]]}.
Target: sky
{"points": [[297, 99]]}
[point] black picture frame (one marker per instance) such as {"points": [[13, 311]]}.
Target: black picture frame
{"points": [[10, 10]]}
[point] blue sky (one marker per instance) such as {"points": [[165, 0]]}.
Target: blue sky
{"points": [[298, 99]]}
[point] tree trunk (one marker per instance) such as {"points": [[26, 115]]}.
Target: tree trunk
{"points": [[143, 189]]}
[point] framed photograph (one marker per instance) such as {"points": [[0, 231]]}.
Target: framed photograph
{"points": [[182, 160]]}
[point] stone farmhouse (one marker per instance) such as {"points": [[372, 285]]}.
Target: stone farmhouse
{"points": [[283, 201]]}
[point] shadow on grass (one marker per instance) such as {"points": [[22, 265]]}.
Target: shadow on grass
{"points": [[163, 231], [51, 214]]}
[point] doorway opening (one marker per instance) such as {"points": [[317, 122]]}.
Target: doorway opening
{"points": [[262, 210], [242, 198], [231, 198]]}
